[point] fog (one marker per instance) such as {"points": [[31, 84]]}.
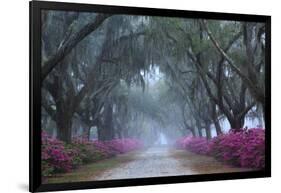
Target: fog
{"points": [[151, 78]]}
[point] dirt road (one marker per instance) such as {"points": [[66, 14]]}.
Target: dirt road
{"points": [[163, 161]]}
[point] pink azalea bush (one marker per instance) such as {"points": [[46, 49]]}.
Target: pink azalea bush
{"points": [[197, 145], [254, 149], [124, 145], [55, 157], [243, 148], [181, 142], [87, 151], [60, 157], [105, 148]]}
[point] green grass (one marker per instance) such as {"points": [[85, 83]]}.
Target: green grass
{"points": [[90, 171]]}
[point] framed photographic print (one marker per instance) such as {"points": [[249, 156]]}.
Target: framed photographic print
{"points": [[125, 96]]}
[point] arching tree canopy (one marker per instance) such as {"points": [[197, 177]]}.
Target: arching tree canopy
{"points": [[114, 76]]}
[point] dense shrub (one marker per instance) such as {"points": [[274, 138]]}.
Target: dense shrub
{"points": [[55, 157], [198, 145], [244, 148], [124, 145], [60, 157], [181, 142], [194, 144], [105, 148], [87, 152], [254, 149]]}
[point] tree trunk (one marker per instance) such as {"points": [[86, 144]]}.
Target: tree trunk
{"points": [[208, 132], [237, 123], [119, 134], [106, 134], [89, 133], [125, 133], [199, 128], [70, 44], [189, 128], [218, 127], [99, 132], [215, 119], [64, 126], [264, 116], [193, 132], [107, 129], [200, 132]]}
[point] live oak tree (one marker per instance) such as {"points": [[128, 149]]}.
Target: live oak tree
{"points": [[97, 68], [252, 71], [67, 94]]}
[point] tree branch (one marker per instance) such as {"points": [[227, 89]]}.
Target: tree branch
{"points": [[227, 58], [70, 44], [245, 111], [49, 110]]}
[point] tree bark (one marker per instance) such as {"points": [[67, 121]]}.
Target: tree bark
{"points": [[215, 119], [119, 134], [107, 129], [208, 132], [64, 126], [89, 133], [200, 132], [237, 123], [125, 133], [218, 127], [193, 132]]}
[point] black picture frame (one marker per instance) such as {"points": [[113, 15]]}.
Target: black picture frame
{"points": [[35, 183]]}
